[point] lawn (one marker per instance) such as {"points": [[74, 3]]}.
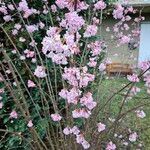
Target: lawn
{"points": [[110, 85]]}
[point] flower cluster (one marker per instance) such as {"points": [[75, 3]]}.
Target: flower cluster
{"points": [[72, 22], [81, 5], [40, 72], [77, 77], [79, 137], [54, 48]]}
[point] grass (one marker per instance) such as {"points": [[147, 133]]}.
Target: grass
{"points": [[111, 85]]}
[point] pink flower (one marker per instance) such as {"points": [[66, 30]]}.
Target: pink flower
{"points": [[11, 7], [85, 144], [56, 117], [30, 124], [41, 25], [1, 91], [17, 26], [40, 72], [31, 28], [75, 130], [3, 9], [144, 65], [133, 78], [118, 12], [14, 32], [92, 62], [100, 5], [135, 90], [73, 22], [87, 100], [81, 113], [31, 83], [111, 146], [7, 18], [91, 30], [101, 127], [80, 138], [1, 105], [133, 137], [61, 3], [14, 114], [96, 47], [23, 6], [53, 8], [124, 39], [67, 131], [71, 96], [102, 67], [29, 54], [140, 113]]}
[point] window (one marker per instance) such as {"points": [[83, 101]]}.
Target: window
{"points": [[144, 50]]}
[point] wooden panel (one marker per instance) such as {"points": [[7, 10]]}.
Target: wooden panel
{"points": [[118, 68]]}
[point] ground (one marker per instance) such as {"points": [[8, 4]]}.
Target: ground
{"points": [[108, 86]]}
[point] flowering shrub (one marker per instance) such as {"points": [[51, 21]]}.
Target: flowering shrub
{"points": [[52, 60]]}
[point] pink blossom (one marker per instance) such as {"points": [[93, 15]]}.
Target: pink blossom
{"points": [[14, 114], [92, 62], [61, 3], [14, 32], [102, 67], [71, 96], [1, 105], [80, 138], [91, 30], [3, 10], [118, 12], [41, 25], [96, 21], [54, 48], [135, 90], [100, 5], [40, 72], [133, 78], [85, 144], [31, 84], [30, 124], [81, 113], [7, 18], [17, 26], [124, 39], [87, 100], [31, 28], [140, 113], [75, 130], [23, 5], [53, 8], [73, 22], [96, 47], [67, 131], [111, 146], [29, 54], [1, 91], [133, 137], [144, 65], [56, 117], [27, 13], [101, 127], [11, 7]]}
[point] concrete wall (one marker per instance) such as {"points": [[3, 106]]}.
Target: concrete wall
{"points": [[120, 54]]}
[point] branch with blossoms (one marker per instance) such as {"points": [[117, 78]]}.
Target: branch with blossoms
{"points": [[53, 56]]}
